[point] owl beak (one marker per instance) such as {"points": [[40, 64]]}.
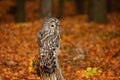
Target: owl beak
{"points": [[55, 30]]}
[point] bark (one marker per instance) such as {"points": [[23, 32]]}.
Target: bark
{"points": [[80, 6], [46, 8], [57, 75], [20, 11], [97, 11], [60, 8]]}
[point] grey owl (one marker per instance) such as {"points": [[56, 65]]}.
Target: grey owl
{"points": [[49, 42]]}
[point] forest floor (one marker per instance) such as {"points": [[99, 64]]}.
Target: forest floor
{"points": [[89, 51]]}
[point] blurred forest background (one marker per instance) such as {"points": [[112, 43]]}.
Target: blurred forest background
{"points": [[30, 10], [90, 38]]}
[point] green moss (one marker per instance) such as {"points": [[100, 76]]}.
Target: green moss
{"points": [[91, 71]]}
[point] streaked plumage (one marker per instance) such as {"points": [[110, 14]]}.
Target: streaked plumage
{"points": [[49, 42]]}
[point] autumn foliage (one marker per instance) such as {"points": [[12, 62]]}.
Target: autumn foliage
{"points": [[89, 51]]}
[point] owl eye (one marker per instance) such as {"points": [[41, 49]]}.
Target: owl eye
{"points": [[52, 25]]}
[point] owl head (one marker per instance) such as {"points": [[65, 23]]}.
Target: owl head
{"points": [[51, 25]]}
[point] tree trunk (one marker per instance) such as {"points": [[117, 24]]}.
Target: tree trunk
{"points": [[57, 75], [20, 11], [109, 6], [97, 11], [46, 8], [80, 6], [60, 8]]}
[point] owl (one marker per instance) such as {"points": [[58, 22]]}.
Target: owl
{"points": [[49, 43]]}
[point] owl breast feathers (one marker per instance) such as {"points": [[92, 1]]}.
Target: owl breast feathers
{"points": [[48, 42]]}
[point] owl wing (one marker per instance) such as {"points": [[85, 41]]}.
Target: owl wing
{"points": [[40, 36], [47, 41], [48, 45]]}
